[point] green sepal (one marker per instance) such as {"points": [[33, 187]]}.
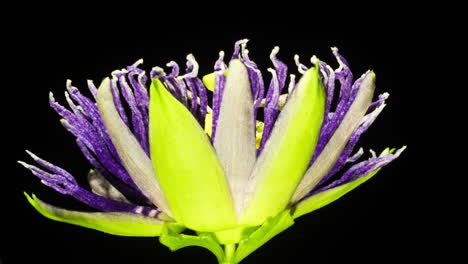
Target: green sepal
{"points": [[114, 223], [324, 198], [252, 238], [186, 165], [272, 227], [175, 241]]}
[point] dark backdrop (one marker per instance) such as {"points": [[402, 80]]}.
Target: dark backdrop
{"points": [[372, 224]]}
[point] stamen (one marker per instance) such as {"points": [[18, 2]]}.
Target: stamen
{"points": [[175, 69], [92, 88], [274, 79], [342, 65], [271, 107], [136, 64], [161, 75], [363, 168], [301, 68], [63, 182], [157, 72], [192, 67], [138, 126], [93, 135], [141, 92], [356, 156], [72, 105], [255, 77], [203, 100], [124, 188], [280, 67], [273, 58], [220, 80], [179, 86], [116, 97], [142, 78], [380, 101], [219, 64], [141, 98], [85, 106], [245, 52], [271, 102], [191, 72], [237, 48], [330, 85]]}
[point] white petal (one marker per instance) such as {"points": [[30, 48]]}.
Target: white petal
{"points": [[135, 160], [235, 132]]}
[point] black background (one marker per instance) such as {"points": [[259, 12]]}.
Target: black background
{"points": [[372, 224]]}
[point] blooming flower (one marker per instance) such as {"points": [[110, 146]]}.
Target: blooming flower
{"points": [[164, 161]]}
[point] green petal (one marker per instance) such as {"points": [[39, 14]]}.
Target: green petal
{"points": [[324, 198], [287, 152], [186, 165], [235, 133], [272, 227], [121, 224], [175, 241]]}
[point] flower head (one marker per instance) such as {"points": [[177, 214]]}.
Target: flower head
{"points": [[238, 171]]}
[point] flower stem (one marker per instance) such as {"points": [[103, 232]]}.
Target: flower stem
{"points": [[229, 251]]}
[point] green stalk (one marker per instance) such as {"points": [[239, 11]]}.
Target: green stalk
{"points": [[229, 251]]}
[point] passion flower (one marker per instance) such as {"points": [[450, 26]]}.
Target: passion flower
{"points": [[164, 161]]}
